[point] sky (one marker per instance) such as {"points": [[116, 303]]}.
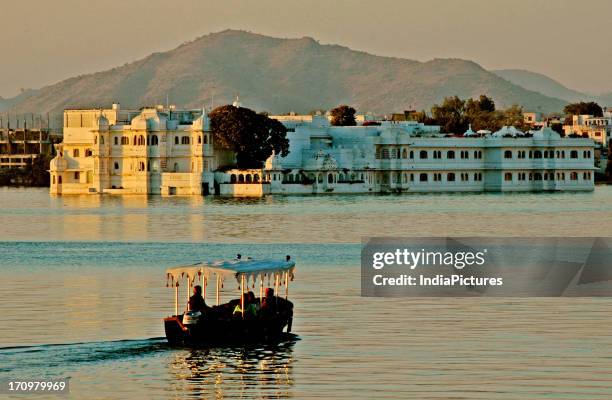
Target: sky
{"points": [[571, 41]]}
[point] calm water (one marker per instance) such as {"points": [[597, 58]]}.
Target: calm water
{"points": [[82, 294]]}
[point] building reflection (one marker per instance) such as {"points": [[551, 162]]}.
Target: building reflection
{"points": [[234, 372]]}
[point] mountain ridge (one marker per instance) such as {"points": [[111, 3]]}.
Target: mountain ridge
{"points": [[280, 75]]}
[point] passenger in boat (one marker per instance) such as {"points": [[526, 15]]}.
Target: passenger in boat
{"points": [[196, 302], [251, 308], [268, 305]]}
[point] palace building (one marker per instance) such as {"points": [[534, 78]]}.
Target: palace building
{"points": [[167, 151], [155, 150]]}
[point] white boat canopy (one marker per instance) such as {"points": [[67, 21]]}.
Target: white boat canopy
{"points": [[238, 268]]}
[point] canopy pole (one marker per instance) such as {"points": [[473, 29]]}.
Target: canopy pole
{"points": [[176, 299], [261, 289], [276, 284], [188, 290], [217, 289], [242, 295], [204, 288], [287, 286]]}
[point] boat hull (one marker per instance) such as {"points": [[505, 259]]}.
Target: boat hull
{"points": [[225, 331]]}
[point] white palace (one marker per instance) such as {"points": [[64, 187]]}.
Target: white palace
{"points": [[166, 151]]}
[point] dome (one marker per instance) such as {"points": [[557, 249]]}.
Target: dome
{"points": [[58, 164], [546, 133], [149, 120], [101, 123], [470, 132], [508, 131]]}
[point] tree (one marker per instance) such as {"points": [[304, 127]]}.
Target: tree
{"points": [[253, 137], [343, 115], [450, 115], [582, 108]]}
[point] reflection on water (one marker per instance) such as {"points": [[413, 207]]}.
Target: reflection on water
{"points": [[34, 215], [259, 372]]}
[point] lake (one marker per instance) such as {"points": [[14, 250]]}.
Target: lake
{"points": [[82, 295]]}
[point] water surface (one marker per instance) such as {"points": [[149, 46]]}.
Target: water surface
{"points": [[84, 295]]}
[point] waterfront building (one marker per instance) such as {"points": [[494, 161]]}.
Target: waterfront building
{"points": [[412, 157], [154, 150], [597, 128], [165, 151], [19, 147]]}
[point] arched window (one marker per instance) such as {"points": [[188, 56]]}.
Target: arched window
{"points": [[176, 140], [423, 154], [256, 178], [185, 140], [537, 154], [423, 177], [95, 140], [101, 139], [199, 139], [75, 153], [450, 154], [404, 153], [116, 165], [116, 140], [154, 140], [176, 167], [450, 177], [59, 180], [330, 178], [574, 176], [141, 166], [538, 176], [125, 140], [135, 141], [233, 178], [205, 139], [54, 179], [248, 178], [240, 178], [141, 140], [508, 154], [573, 154], [88, 153], [508, 176], [411, 154]]}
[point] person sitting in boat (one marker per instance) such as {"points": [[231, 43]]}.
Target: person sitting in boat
{"points": [[251, 307], [268, 305], [196, 302]]}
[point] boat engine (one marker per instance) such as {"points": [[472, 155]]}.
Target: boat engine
{"points": [[191, 317]]}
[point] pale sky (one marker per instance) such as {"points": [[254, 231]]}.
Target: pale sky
{"points": [[43, 42]]}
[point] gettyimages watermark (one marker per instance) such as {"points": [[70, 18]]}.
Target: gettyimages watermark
{"points": [[468, 267]]}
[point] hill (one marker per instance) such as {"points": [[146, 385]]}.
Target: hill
{"points": [[549, 87], [281, 75]]}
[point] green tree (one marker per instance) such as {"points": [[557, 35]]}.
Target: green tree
{"points": [[581, 108], [450, 115], [513, 115], [253, 137], [343, 115]]}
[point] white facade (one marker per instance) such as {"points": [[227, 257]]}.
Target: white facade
{"points": [[167, 151], [411, 157], [597, 128], [154, 150]]}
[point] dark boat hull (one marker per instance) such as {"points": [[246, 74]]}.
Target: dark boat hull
{"points": [[225, 331]]}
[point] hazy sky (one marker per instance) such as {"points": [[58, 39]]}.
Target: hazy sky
{"points": [[571, 41]]}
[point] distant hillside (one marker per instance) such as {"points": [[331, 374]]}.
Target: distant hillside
{"points": [[545, 85], [281, 75], [6, 104]]}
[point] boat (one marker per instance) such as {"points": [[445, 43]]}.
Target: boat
{"points": [[229, 323]]}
